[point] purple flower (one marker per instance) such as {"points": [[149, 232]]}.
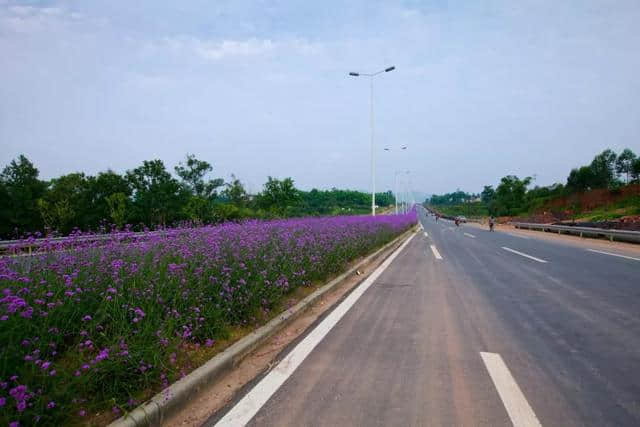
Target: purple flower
{"points": [[3, 401], [51, 405], [86, 318], [104, 354]]}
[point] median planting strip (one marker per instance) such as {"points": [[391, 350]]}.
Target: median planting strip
{"points": [[88, 330]]}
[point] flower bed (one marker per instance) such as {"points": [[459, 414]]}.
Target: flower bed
{"points": [[95, 325]]}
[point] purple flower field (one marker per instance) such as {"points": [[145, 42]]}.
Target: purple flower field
{"points": [[89, 326]]}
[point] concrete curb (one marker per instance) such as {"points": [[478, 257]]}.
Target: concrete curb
{"points": [[166, 403]]}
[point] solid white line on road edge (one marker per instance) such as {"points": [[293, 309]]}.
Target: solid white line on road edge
{"points": [[435, 252], [612, 254], [425, 234], [524, 255], [470, 235], [514, 401], [251, 403]]}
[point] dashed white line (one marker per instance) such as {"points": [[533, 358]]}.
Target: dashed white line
{"points": [[470, 235], [523, 254], [251, 403], [612, 254], [518, 235], [513, 400], [435, 252]]}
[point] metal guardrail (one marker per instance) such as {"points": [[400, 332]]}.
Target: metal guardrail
{"points": [[30, 246], [618, 235]]}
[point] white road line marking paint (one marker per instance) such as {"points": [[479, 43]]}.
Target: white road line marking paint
{"points": [[514, 401], [518, 235], [435, 252], [524, 255], [470, 235], [251, 403], [612, 254], [425, 234]]}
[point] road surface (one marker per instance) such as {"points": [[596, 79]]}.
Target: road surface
{"points": [[466, 327]]}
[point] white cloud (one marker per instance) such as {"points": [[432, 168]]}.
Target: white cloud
{"points": [[217, 50]]}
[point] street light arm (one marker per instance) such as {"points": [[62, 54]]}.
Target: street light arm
{"points": [[386, 70]]}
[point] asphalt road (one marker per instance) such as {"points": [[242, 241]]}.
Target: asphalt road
{"points": [[467, 327]]}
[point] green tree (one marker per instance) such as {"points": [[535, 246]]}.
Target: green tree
{"points": [[635, 170], [20, 190], [603, 170], [193, 173], [235, 192], [277, 195], [67, 204], [624, 163], [102, 188], [510, 195], [198, 209], [117, 204], [385, 199], [158, 198], [581, 179], [488, 194]]}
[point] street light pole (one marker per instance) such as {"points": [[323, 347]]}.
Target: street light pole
{"points": [[395, 177], [373, 153], [373, 157], [395, 190]]}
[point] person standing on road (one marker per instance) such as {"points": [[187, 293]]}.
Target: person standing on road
{"points": [[492, 222]]}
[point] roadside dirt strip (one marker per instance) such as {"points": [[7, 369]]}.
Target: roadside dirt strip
{"points": [[191, 400]]}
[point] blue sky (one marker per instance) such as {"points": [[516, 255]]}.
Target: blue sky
{"points": [[481, 89]]}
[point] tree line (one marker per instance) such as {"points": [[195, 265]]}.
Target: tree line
{"points": [[512, 196], [150, 196]]}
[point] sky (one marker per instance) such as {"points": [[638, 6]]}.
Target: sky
{"points": [[261, 88]]}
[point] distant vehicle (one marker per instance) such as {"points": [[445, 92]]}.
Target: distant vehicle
{"points": [[462, 219]]}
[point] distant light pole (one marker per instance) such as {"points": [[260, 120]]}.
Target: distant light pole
{"points": [[395, 176], [395, 186], [373, 153]]}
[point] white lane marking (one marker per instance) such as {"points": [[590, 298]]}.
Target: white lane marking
{"points": [[524, 255], [518, 235], [425, 234], [251, 403], [470, 235], [435, 252], [514, 401], [612, 254]]}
